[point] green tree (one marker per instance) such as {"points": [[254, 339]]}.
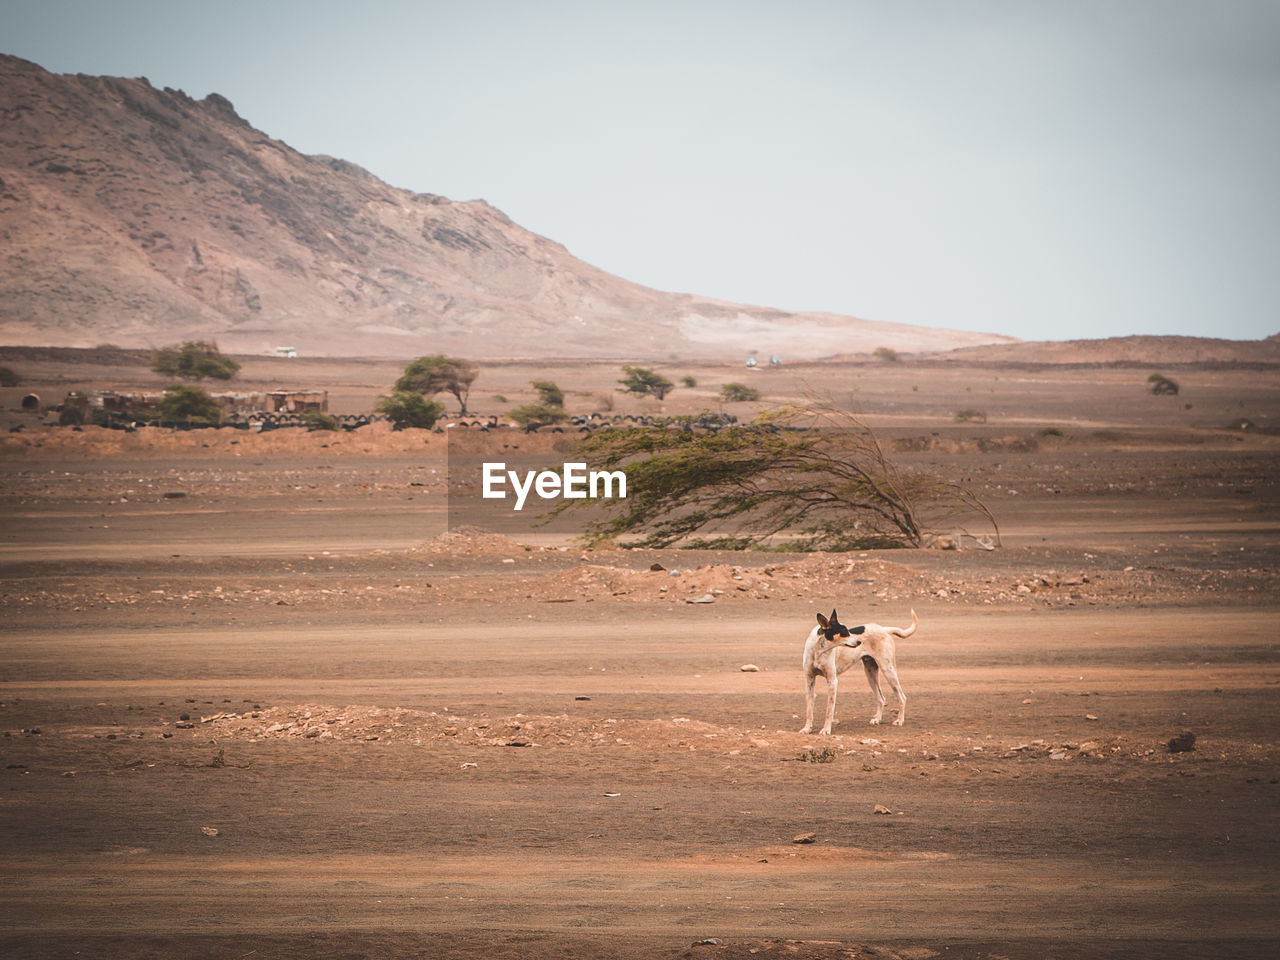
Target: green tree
{"points": [[534, 415], [643, 382], [432, 374], [185, 402], [193, 360], [738, 393], [816, 476], [1160, 384], [549, 394], [407, 408]]}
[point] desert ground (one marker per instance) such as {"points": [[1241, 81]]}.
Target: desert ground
{"points": [[257, 699]]}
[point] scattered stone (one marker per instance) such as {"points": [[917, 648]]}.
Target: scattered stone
{"points": [[471, 766], [749, 668], [804, 838], [655, 567], [1058, 754], [705, 598], [882, 810], [1183, 743], [1090, 716], [209, 831]]}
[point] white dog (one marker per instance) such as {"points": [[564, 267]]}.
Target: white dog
{"points": [[832, 648]]}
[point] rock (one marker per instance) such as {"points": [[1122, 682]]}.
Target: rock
{"points": [[804, 838], [945, 542], [705, 598], [209, 831], [1058, 754], [882, 810], [655, 567], [749, 668], [471, 766], [1183, 743]]}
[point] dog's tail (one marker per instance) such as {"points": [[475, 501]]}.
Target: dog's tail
{"points": [[905, 632]]}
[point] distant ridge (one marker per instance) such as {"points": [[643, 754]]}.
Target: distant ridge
{"points": [[1128, 350], [137, 216]]}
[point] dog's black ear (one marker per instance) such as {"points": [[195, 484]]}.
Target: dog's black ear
{"points": [[834, 618], [822, 621]]}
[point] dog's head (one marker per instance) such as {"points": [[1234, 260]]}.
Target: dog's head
{"points": [[833, 631]]}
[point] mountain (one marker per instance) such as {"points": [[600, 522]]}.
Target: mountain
{"points": [[138, 216]]}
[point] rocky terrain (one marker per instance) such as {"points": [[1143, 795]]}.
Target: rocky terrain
{"points": [[259, 699]]}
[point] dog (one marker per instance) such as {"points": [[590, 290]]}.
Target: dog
{"points": [[832, 648]]}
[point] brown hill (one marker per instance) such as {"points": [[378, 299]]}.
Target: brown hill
{"points": [[138, 216]]}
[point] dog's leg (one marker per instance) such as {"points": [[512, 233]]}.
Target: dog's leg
{"points": [[809, 694], [833, 683], [873, 681], [891, 674]]}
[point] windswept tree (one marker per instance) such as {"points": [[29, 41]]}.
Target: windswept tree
{"points": [[644, 382], [193, 360], [816, 477], [433, 374], [548, 393]]}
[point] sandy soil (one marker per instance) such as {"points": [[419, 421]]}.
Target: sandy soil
{"points": [[258, 702]]}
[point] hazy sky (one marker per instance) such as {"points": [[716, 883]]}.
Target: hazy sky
{"points": [[1050, 170]]}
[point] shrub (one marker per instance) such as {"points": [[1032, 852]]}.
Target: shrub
{"points": [[689, 381], [8, 378], [534, 415], [315, 420], [824, 484], [185, 402], [887, 354], [549, 395], [1162, 385], [405, 408], [971, 416], [738, 393], [193, 360]]}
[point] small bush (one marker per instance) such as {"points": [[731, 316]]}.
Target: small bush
{"points": [[406, 408], [184, 402], [8, 378], [315, 420], [534, 415], [1050, 432], [193, 360], [825, 755], [1162, 385], [738, 393], [971, 416], [888, 354]]}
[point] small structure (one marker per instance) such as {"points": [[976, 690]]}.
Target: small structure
{"points": [[290, 352], [751, 361], [31, 403]]}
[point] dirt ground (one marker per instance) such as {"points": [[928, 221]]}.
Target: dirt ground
{"points": [[257, 701]]}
